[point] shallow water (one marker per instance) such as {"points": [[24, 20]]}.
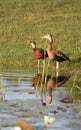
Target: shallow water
{"points": [[19, 101]]}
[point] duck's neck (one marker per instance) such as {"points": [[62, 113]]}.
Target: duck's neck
{"points": [[50, 45]]}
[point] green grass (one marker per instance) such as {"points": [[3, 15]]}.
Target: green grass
{"points": [[21, 20]]}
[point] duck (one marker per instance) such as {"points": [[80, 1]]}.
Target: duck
{"points": [[38, 53], [55, 55]]}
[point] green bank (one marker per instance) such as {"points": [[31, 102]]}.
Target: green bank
{"points": [[22, 20]]}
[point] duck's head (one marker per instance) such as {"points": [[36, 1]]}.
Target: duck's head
{"points": [[33, 43], [48, 36]]}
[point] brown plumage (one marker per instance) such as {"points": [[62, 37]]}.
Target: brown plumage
{"points": [[38, 53], [54, 54]]}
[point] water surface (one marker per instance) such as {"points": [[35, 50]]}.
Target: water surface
{"points": [[19, 101]]}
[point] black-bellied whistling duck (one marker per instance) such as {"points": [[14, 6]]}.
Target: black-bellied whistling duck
{"points": [[39, 53], [56, 55]]}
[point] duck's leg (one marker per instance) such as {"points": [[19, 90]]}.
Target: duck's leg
{"points": [[57, 69], [57, 65], [38, 63]]}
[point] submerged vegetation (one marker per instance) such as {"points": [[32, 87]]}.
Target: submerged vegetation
{"points": [[22, 20]]}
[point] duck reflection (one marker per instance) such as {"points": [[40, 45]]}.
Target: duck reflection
{"points": [[37, 79], [51, 83], [54, 82]]}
